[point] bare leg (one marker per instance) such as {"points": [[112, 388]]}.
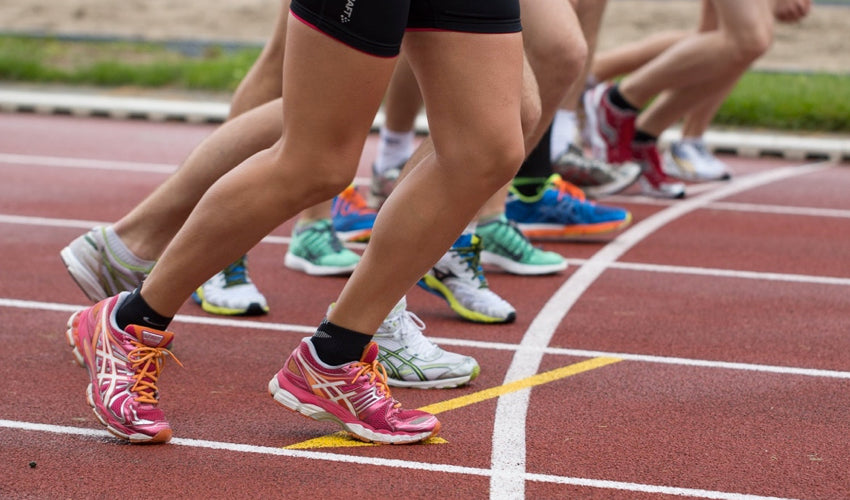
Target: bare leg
{"points": [[148, 227], [477, 148], [744, 33], [300, 170], [624, 59]]}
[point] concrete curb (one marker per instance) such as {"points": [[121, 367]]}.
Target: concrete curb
{"points": [[741, 143]]}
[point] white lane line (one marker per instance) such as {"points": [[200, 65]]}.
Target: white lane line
{"points": [[781, 210], [475, 344], [508, 454], [180, 318], [723, 273], [396, 464], [114, 165], [88, 163], [84, 163]]}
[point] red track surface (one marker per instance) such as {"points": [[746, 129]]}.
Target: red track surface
{"points": [[716, 328]]}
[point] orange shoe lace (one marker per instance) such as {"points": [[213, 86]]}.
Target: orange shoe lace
{"points": [[377, 375], [353, 198], [147, 362], [567, 187]]}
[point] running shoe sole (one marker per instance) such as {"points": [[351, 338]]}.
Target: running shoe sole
{"points": [[297, 263], [514, 267], [435, 286], [291, 398]]}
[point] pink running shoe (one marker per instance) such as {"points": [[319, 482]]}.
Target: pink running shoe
{"points": [[124, 367], [354, 395]]}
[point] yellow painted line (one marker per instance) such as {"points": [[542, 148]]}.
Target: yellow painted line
{"points": [[539, 379], [342, 439]]}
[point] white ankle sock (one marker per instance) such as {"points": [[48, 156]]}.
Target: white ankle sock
{"points": [[394, 148], [564, 129]]}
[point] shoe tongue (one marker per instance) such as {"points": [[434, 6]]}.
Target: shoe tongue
{"points": [[149, 336], [370, 353]]}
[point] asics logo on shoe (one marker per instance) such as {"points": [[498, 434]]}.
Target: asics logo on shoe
{"points": [[332, 390]]}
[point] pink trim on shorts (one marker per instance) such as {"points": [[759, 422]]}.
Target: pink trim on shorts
{"points": [[311, 25]]}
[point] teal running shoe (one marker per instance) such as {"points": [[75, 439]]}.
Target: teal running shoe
{"points": [[316, 250], [504, 246]]}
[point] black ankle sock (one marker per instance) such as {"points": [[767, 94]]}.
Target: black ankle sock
{"points": [[336, 345], [642, 137], [135, 311], [619, 101]]}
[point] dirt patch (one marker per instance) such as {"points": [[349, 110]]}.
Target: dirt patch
{"points": [[817, 43]]}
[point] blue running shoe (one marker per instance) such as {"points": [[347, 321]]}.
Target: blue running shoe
{"points": [[352, 217], [560, 209]]}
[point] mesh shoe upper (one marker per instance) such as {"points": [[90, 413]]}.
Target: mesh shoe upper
{"points": [[352, 217], [561, 209], [231, 292], [691, 161], [354, 395], [123, 367], [459, 279], [411, 360], [315, 249], [97, 269], [505, 246], [595, 177]]}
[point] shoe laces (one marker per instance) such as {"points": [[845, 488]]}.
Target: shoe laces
{"points": [[147, 363], [410, 331], [471, 257], [566, 189], [351, 201], [319, 236], [511, 238], [377, 375], [236, 274]]}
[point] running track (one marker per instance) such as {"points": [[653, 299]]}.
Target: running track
{"points": [[702, 353]]}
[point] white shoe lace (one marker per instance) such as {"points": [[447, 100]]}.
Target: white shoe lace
{"points": [[406, 328]]}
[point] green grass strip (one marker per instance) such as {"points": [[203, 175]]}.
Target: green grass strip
{"points": [[771, 100]]}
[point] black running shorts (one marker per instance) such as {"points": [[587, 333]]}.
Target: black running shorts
{"points": [[377, 26]]}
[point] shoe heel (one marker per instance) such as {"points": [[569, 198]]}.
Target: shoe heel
{"points": [[70, 334]]}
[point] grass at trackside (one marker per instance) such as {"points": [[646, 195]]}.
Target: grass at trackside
{"points": [[110, 64], [779, 101], [789, 101]]}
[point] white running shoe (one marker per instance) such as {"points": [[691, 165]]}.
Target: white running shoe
{"points": [[411, 360], [459, 279], [97, 269], [690, 160], [231, 293]]}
